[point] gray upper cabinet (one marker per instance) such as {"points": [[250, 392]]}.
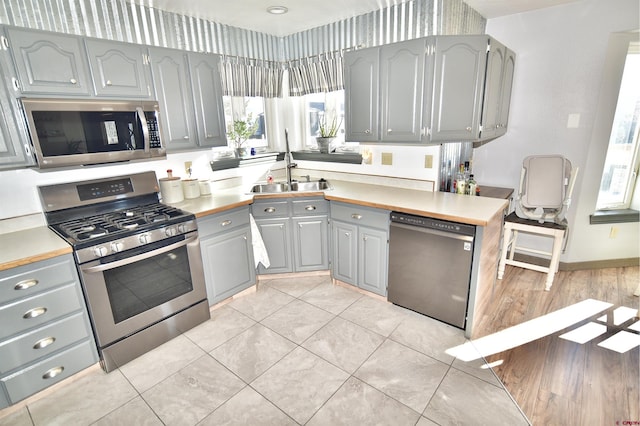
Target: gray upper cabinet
{"points": [[497, 92], [207, 96], [15, 150], [459, 69], [362, 83], [173, 91], [506, 86], [402, 79], [119, 69], [49, 63], [189, 90]]}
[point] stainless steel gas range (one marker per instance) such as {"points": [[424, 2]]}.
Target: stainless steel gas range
{"points": [[139, 261]]}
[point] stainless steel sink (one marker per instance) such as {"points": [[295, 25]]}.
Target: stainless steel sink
{"points": [[272, 188], [319, 185]]}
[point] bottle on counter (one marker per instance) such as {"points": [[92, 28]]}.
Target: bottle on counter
{"points": [[472, 186], [461, 182]]}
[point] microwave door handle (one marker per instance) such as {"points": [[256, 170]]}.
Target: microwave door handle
{"points": [[145, 128], [136, 258]]}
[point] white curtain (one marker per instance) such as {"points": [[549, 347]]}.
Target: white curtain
{"points": [[251, 77], [322, 73]]}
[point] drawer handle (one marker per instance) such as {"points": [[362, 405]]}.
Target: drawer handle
{"points": [[73, 81], [43, 343], [226, 223], [25, 284], [35, 312], [310, 208], [270, 210], [356, 216], [109, 83], [52, 372]]}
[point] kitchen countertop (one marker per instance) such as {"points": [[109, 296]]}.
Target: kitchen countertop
{"points": [[31, 245]]}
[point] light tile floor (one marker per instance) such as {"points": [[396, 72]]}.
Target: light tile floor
{"points": [[298, 350]]}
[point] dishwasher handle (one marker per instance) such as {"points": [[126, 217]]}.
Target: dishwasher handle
{"points": [[432, 232]]}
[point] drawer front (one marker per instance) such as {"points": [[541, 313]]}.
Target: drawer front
{"points": [[360, 215], [39, 309], [310, 207], [223, 222], [43, 341], [27, 280], [49, 371], [267, 209]]}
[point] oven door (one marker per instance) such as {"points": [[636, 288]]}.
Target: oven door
{"points": [[127, 292]]}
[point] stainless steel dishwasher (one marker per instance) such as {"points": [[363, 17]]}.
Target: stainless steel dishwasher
{"points": [[430, 266]]}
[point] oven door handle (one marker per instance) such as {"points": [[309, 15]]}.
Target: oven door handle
{"points": [[136, 258], [145, 128]]}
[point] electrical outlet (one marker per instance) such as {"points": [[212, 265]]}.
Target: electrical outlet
{"points": [[613, 233], [187, 167], [387, 158], [428, 161]]}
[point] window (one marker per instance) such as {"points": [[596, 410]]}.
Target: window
{"points": [[621, 164], [323, 107], [237, 107]]}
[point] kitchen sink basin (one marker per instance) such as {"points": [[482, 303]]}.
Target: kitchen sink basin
{"points": [[271, 188], [319, 185]]}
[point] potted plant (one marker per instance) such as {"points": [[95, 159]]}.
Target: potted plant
{"points": [[328, 132], [240, 131]]}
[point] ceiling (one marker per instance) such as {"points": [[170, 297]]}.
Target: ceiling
{"points": [[307, 14]]}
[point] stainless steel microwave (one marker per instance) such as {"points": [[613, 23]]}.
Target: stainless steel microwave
{"points": [[67, 132]]}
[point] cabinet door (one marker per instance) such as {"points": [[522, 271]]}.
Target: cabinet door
{"points": [[15, 150], [372, 260], [228, 264], [310, 236], [402, 81], [207, 97], [361, 81], [492, 88], [505, 93], [345, 252], [459, 63], [276, 236], [49, 63], [119, 69], [173, 91]]}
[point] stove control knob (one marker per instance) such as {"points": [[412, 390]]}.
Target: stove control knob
{"points": [[182, 228], [100, 251], [144, 238], [117, 246], [170, 231]]}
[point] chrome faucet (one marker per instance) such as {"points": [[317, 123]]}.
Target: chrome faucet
{"points": [[287, 158]]}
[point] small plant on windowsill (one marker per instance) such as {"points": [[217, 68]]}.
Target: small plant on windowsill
{"points": [[240, 131], [328, 132]]}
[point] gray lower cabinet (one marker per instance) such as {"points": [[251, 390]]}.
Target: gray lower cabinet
{"points": [[295, 233], [360, 242], [227, 253], [46, 335]]}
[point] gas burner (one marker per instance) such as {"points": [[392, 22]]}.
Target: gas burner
{"points": [[93, 233], [88, 227]]}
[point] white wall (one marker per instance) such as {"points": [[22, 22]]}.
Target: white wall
{"points": [[559, 67]]}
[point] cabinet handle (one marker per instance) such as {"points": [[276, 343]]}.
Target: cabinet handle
{"points": [[270, 210], [35, 312], [367, 131], [244, 237], [226, 223], [310, 208], [356, 216], [364, 238], [185, 137], [25, 284], [16, 85], [43, 343], [73, 81], [52, 372], [389, 130], [468, 129], [5, 42], [109, 83], [347, 234], [209, 136]]}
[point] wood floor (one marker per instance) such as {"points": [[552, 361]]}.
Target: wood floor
{"points": [[556, 381]]}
